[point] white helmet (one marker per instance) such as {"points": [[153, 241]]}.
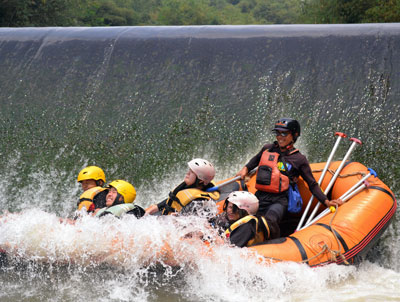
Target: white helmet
{"points": [[203, 169], [244, 200]]}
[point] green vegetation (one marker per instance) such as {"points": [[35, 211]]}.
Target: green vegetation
{"points": [[351, 11], [18, 13]]}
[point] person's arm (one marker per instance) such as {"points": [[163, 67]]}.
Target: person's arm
{"points": [[333, 203], [156, 207], [314, 187], [220, 223], [137, 211], [253, 162], [161, 205], [306, 173]]}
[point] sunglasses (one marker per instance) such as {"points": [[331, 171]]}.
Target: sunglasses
{"points": [[278, 133]]}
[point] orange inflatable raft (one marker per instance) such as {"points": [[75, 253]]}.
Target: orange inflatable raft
{"points": [[343, 236]]}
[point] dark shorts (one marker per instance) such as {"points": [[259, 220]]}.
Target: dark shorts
{"points": [[273, 207]]}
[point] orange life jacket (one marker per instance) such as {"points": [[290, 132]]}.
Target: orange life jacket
{"points": [[269, 177]]}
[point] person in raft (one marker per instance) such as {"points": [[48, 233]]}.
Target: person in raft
{"points": [[240, 222], [92, 180], [189, 196], [119, 200], [278, 164]]}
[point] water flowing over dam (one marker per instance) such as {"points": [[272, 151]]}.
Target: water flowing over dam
{"points": [[140, 102]]}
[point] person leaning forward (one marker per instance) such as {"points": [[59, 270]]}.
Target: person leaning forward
{"points": [[278, 164], [188, 197], [240, 223]]}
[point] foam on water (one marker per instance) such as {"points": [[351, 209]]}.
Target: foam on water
{"points": [[127, 259]]}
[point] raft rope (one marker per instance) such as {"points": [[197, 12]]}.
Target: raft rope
{"points": [[343, 175], [325, 248], [334, 254]]}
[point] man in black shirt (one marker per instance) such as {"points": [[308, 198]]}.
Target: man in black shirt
{"points": [[278, 165]]}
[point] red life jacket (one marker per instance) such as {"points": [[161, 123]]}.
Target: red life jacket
{"points": [[269, 177]]}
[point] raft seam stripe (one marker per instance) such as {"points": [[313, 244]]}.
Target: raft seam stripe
{"points": [[383, 190], [371, 235], [300, 247], [367, 239], [342, 241]]}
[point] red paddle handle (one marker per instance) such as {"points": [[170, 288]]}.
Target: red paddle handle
{"points": [[356, 140]]}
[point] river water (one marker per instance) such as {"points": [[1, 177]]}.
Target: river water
{"points": [[140, 103], [119, 260]]}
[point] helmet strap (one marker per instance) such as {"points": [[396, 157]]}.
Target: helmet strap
{"points": [[118, 200], [287, 147], [290, 145], [225, 205], [199, 183]]}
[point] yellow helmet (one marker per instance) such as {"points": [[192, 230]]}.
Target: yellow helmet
{"points": [[125, 189], [92, 172]]}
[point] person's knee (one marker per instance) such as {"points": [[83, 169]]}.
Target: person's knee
{"points": [[274, 215], [273, 218], [274, 229]]}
